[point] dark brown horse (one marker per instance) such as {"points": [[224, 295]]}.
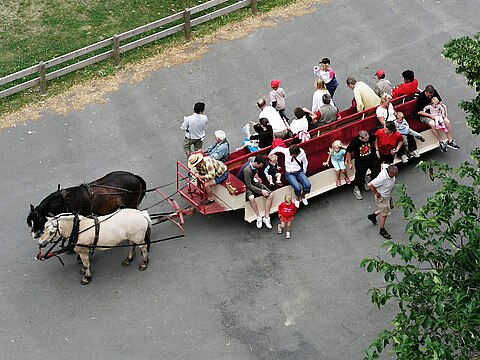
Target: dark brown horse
{"points": [[118, 189]]}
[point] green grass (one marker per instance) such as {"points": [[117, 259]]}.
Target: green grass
{"points": [[38, 30]]}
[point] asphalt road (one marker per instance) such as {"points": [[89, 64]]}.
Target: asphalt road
{"points": [[228, 290]]}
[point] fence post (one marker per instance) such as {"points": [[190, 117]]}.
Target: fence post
{"points": [[116, 51], [187, 26], [42, 71], [254, 7]]}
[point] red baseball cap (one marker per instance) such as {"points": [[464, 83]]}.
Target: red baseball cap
{"points": [[275, 83], [380, 73]]}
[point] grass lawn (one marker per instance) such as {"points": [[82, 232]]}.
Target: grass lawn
{"points": [[39, 30]]}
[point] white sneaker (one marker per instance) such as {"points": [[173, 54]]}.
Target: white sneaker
{"points": [[267, 222], [305, 201], [297, 203], [415, 154], [279, 229], [259, 222], [287, 235], [404, 158]]}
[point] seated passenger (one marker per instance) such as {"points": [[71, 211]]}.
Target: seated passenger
{"points": [[220, 149], [424, 100], [388, 142], [317, 100], [404, 129], [264, 133], [248, 174], [299, 125], [210, 170], [327, 111], [383, 86], [272, 170], [385, 111], [336, 155], [296, 164], [408, 87]]}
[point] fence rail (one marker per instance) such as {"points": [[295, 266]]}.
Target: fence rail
{"points": [[112, 46]]}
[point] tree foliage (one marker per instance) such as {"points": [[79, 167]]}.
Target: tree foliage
{"points": [[435, 275]]}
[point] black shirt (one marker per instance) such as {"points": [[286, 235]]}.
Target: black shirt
{"points": [[423, 100], [264, 139], [364, 150]]}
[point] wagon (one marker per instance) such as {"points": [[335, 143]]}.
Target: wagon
{"points": [[230, 194]]}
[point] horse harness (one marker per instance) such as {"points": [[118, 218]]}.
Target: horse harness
{"points": [[66, 198]]}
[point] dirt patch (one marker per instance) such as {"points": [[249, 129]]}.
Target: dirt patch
{"points": [[79, 96]]}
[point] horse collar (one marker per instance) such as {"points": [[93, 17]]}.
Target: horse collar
{"points": [[66, 199]]}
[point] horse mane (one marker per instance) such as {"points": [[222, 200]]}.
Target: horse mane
{"points": [[44, 206]]}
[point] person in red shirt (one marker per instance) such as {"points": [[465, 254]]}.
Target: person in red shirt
{"points": [[408, 87], [286, 210], [388, 142]]}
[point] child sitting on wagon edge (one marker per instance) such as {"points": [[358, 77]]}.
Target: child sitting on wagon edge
{"points": [[336, 155], [272, 170]]}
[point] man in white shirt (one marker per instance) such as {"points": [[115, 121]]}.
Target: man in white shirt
{"points": [[274, 119], [382, 187], [194, 127], [296, 164]]}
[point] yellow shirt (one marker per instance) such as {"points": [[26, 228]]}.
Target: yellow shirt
{"points": [[365, 96]]}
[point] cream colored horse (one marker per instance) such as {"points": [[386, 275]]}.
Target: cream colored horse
{"points": [[125, 224]]}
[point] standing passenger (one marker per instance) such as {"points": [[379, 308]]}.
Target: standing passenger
{"points": [[194, 127], [382, 187], [286, 210], [277, 98], [365, 97], [366, 159], [327, 74], [383, 86]]}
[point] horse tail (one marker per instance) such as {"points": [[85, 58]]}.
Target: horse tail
{"points": [[144, 187], [149, 229]]}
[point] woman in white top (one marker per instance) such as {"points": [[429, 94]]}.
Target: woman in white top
{"points": [[321, 90], [385, 111]]}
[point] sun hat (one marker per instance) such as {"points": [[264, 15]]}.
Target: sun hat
{"points": [[194, 160]]}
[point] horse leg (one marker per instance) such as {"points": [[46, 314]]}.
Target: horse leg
{"points": [[144, 264], [85, 257], [131, 254]]}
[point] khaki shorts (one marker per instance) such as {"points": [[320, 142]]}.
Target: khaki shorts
{"points": [[187, 145], [385, 205]]}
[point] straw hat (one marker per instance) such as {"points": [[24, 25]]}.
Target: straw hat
{"points": [[194, 160]]}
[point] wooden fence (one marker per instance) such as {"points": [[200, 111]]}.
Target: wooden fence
{"points": [[114, 47]]}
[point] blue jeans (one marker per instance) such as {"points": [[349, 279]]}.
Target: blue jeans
{"points": [[298, 180]]}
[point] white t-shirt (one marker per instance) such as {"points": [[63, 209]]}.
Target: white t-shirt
{"points": [[384, 183], [382, 112], [274, 118], [298, 125]]}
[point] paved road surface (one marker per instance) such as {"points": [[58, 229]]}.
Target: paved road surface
{"points": [[227, 291]]}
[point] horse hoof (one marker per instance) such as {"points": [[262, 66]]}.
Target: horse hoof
{"points": [[85, 281], [126, 262], [142, 267]]}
